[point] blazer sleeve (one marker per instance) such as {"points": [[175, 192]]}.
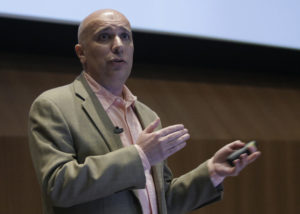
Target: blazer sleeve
{"points": [[191, 190], [64, 180]]}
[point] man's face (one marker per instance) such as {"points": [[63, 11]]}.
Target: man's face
{"points": [[107, 49]]}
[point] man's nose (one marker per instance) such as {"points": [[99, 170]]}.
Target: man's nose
{"points": [[117, 46]]}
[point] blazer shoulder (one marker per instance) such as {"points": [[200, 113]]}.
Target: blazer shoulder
{"points": [[62, 97], [60, 94]]}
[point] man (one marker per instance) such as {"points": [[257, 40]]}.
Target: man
{"points": [[96, 149]]}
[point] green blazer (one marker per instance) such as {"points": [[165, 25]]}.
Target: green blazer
{"points": [[82, 166]]}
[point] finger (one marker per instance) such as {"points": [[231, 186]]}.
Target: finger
{"points": [[243, 161], [236, 169], [229, 170], [252, 149], [236, 145], [152, 126], [170, 145], [175, 149], [253, 156], [174, 136], [228, 149], [170, 129]]}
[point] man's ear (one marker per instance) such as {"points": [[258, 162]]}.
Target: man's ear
{"points": [[80, 53]]}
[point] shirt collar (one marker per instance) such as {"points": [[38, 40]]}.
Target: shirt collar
{"points": [[106, 98]]}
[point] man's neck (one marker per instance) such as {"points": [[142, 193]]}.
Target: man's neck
{"points": [[115, 90]]}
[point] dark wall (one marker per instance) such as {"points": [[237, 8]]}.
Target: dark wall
{"points": [[221, 93], [151, 48]]}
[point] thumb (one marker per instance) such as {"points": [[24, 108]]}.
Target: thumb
{"points": [[152, 126]]}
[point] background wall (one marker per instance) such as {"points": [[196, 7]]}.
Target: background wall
{"points": [[218, 104]]}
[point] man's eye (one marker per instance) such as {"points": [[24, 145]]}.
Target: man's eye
{"points": [[125, 36], [104, 36]]}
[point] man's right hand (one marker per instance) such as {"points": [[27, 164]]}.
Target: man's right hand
{"points": [[158, 145]]}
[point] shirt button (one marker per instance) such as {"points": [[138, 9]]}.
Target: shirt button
{"points": [[119, 102]]}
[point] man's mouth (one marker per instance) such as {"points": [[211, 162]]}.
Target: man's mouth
{"points": [[117, 60]]}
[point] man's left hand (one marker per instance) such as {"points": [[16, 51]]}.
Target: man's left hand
{"points": [[219, 168]]}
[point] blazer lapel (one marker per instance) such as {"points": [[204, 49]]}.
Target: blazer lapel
{"points": [[96, 113]]}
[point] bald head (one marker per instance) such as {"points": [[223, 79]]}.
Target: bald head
{"points": [[105, 15], [105, 48]]}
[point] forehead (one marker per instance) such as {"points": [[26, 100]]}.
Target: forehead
{"points": [[107, 20]]}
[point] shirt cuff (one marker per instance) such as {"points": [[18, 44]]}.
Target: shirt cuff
{"points": [[214, 177], [143, 157]]}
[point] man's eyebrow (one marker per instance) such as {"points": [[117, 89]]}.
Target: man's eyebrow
{"points": [[104, 29], [110, 28], [125, 29]]}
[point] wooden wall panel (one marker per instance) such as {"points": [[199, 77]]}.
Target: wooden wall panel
{"points": [[20, 192], [217, 108]]}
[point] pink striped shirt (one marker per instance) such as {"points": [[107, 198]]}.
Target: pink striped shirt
{"points": [[122, 115]]}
